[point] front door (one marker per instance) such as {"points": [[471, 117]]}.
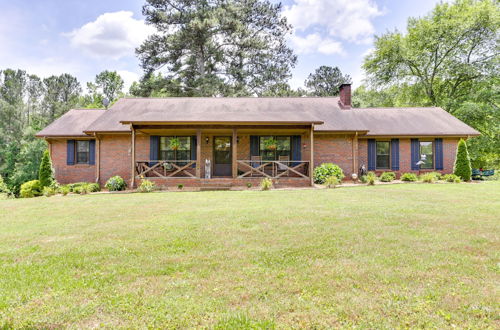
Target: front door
{"points": [[222, 156]]}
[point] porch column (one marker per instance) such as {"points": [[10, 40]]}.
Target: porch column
{"points": [[355, 153], [98, 158], [311, 163], [133, 155], [198, 153], [235, 153]]}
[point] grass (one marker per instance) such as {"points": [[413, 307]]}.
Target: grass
{"points": [[392, 256]]}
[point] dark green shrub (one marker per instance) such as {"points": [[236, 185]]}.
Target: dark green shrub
{"points": [[249, 185], [409, 177], [452, 178], [31, 189], [326, 170], [387, 176], [116, 183], [146, 186], [371, 177], [180, 186], [363, 179], [462, 167], [45, 173]]}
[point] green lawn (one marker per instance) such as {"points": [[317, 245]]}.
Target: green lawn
{"points": [[409, 255]]}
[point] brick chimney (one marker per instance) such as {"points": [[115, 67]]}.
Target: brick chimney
{"points": [[345, 96]]}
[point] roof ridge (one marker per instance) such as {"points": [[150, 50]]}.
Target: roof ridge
{"points": [[228, 97]]}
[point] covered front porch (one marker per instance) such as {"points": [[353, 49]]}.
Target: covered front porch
{"points": [[220, 155]]}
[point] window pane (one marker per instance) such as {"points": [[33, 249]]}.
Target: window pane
{"points": [[383, 154], [164, 143], [427, 155], [82, 146], [82, 157], [185, 143]]}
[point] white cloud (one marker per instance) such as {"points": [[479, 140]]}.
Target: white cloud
{"points": [[111, 35], [128, 78], [314, 43], [330, 21]]}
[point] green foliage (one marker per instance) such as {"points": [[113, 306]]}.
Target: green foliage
{"points": [[325, 81], [174, 144], [462, 167], [146, 186], [49, 191], [64, 190], [108, 84], [266, 184], [45, 173], [116, 183], [409, 177], [93, 187], [249, 185], [452, 178], [180, 186], [332, 181], [371, 177], [270, 144], [428, 177], [31, 189], [216, 47], [363, 179], [326, 170], [81, 189], [387, 176]]}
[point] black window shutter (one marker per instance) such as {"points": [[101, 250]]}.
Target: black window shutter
{"points": [[254, 145], [92, 152], [194, 144], [372, 155], [438, 147], [154, 147], [415, 154], [296, 149], [70, 152], [395, 154]]}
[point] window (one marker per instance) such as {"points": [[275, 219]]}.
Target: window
{"points": [[427, 155], [82, 152], [171, 150], [272, 147], [383, 155]]}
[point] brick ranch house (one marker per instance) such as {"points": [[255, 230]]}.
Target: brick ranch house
{"points": [[202, 142]]}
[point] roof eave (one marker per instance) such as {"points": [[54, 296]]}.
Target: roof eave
{"points": [[242, 122]]}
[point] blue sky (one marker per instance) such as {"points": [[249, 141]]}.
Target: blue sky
{"points": [[85, 37]]}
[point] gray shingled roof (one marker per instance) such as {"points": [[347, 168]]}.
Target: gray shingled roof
{"points": [[325, 113], [72, 123]]}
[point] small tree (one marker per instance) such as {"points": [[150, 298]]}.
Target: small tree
{"points": [[462, 166], [45, 175]]}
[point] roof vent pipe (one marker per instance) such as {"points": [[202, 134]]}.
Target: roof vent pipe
{"points": [[345, 96]]}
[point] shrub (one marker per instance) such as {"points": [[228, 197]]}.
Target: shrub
{"points": [[146, 186], [81, 189], [387, 176], [370, 178], [93, 187], [331, 182], [326, 170], [4, 190], [73, 186], [180, 186], [49, 191], [249, 185], [410, 177], [451, 178], [31, 189], [428, 177], [363, 179], [45, 173], [116, 183], [438, 176], [266, 184], [64, 190], [462, 167]]}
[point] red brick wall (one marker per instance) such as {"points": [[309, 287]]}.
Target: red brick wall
{"points": [[115, 156], [334, 148], [68, 173]]}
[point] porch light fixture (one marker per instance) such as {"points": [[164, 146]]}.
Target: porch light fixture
{"points": [[206, 140], [305, 145]]}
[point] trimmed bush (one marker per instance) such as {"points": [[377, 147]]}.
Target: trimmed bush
{"points": [[180, 186], [266, 184], [4, 190], [146, 186], [249, 185], [49, 191], [371, 177], [81, 189], [45, 173], [93, 187], [452, 178], [438, 176], [116, 183], [31, 189], [428, 177], [326, 170], [64, 190], [331, 182], [387, 176], [462, 167], [409, 177], [363, 179]]}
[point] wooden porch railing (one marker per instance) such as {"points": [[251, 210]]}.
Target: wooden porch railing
{"points": [[274, 169], [166, 168]]}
